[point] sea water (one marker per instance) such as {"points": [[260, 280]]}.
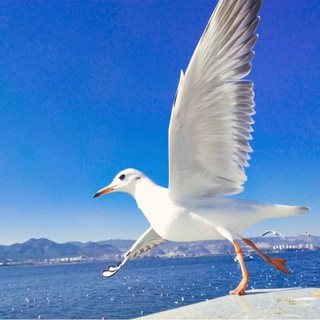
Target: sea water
{"points": [[141, 287]]}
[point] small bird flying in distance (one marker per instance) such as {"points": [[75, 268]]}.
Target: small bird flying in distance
{"points": [[209, 135], [275, 233]]}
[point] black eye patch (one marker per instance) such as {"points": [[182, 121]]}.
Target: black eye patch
{"points": [[121, 177]]}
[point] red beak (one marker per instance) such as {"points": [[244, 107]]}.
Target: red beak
{"points": [[103, 191]]}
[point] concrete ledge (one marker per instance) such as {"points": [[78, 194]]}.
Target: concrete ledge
{"points": [[291, 303]]}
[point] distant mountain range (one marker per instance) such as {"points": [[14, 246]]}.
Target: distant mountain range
{"points": [[47, 251]]}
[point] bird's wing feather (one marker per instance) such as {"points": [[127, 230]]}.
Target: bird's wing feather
{"points": [[266, 232], [211, 117], [274, 233], [149, 240]]}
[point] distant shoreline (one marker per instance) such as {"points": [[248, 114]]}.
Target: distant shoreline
{"points": [[110, 260]]}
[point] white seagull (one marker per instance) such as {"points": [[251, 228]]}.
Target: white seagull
{"points": [[208, 147], [275, 233]]}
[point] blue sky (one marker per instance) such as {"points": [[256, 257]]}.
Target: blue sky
{"points": [[86, 89]]}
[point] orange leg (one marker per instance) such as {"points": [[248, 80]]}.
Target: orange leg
{"points": [[278, 263], [240, 290]]}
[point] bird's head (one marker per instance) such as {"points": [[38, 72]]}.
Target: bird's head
{"points": [[124, 181]]}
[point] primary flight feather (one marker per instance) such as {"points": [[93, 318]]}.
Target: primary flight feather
{"points": [[208, 147]]}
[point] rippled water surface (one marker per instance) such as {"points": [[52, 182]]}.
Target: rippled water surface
{"points": [[142, 287]]}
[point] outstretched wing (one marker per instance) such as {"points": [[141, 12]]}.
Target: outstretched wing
{"points": [[211, 117], [274, 233], [149, 240], [266, 232]]}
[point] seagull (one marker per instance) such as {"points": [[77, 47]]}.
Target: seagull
{"points": [[209, 135], [308, 234], [275, 233]]}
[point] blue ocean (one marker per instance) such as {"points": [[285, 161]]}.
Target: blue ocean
{"points": [[142, 287]]}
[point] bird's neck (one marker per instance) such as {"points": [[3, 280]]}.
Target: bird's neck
{"points": [[150, 197]]}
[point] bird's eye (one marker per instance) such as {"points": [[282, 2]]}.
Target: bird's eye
{"points": [[121, 177]]}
